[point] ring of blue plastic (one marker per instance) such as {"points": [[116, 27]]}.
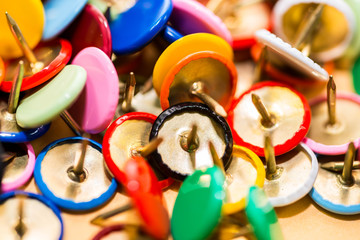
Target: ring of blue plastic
{"points": [[64, 203], [40, 198], [24, 136]]}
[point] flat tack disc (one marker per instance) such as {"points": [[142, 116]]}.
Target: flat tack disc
{"points": [[217, 73], [46, 221], [11, 132], [245, 170], [173, 124], [124, 135], [331, 195], [54, 55], [289, 109], [190, 17], [184, 47], [336, 26], [53, 98], [291, 56], [59, 15], [90, 29], [58, 157], [333, 140], [95, 107], [300, 168], [20, 169], [29, 15]]}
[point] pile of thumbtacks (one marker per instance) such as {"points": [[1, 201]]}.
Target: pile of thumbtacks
{"points": [[236, 157]]}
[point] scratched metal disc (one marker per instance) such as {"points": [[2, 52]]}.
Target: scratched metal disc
{"points": [[330, 194], [51, 175], [174, 123], [40, 221], [299, 171]]}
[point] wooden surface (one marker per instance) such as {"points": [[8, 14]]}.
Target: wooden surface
{"points": [[302, 220]]}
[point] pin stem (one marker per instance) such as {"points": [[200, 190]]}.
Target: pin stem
{"points": [[338, 166], [307, 25], [78, 168], [191, 139], [15, 30], [266, 119], [271, 169], [217, 161], [99, 220], [71, 123], [331, 100], [260, 65], [197, 89], [20, 227], [150, 147], [346, 175], [15, 89], [129, 93]]}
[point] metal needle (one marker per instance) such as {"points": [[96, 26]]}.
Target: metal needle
{"points": [[331, 100], [129, 93], [307, 25], [150, 147], [20, 227], [346, 177], [100, 219], [30, 56], [15, 89], [77, 173], [217, 161], [71, 123], [338, 166], [266, 119], [272, 171], [197, 89]]}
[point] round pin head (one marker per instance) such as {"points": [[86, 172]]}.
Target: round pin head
{"points": [[53, 98], [245, 170], [30, 16], [59, 15], [19, 165], [331, 130], [109, 231], [283, 111], [147, 19], [182, 150], [282, 53], [50, 59], [332, 32], [262, 216], [95, 108], [144, 189], [197, 209], [18, 206], [184, 47], [81, 181], [296, 172], [189, 17], [337, 186], [90, 29], [124, 137]]}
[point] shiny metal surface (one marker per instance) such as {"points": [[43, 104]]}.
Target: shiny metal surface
{"points": [[285, 107], [346, 128], [211, 72], [15, 166], [130, 135], [40, 221], [327, 184], [296, 166], [45, 54], [240, 175], [332, 30], [60, 159], [174, 128]]}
